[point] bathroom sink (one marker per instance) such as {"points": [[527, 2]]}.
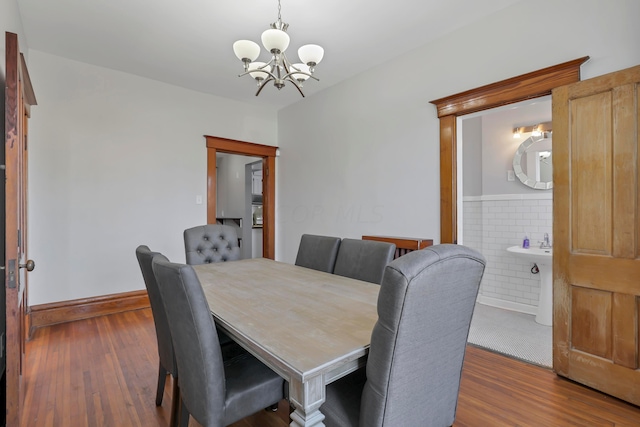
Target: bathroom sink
{"points": [[537, 255], [544, 259]]}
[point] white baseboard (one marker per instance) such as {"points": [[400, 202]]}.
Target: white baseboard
{"points": [[508, 305]]}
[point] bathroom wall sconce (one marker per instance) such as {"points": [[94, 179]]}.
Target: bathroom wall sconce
{"points": [[536, 130]]}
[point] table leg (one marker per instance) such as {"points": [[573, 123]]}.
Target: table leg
{"points": [[307, 398]]}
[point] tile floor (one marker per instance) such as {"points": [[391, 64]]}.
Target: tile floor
{"points": [[512, 333]]}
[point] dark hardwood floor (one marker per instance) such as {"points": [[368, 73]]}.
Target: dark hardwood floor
{"points": [[103, 371]]}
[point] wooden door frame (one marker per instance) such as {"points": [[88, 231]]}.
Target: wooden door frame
{"points": [[526, 86], [268, 154]]}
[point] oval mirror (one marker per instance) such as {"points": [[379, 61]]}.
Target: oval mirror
{"points": [[532, 162]]}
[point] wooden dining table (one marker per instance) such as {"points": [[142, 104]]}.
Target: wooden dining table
{"points": [[309, 326]]}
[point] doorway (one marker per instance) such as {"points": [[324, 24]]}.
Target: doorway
{"points": [[496, 211], [450, 110], [239, 200], [253, 215], [594, 291], [268, 155]]}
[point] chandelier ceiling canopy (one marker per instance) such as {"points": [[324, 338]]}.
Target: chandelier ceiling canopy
{"points": [[278, 69]]}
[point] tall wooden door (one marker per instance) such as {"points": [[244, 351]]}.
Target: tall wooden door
{"points": [[18, 99], [596, 225]]}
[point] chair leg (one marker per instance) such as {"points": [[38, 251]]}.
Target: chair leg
{"points": [[175, 404], [162, 377]]}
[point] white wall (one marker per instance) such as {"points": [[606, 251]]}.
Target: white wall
{"points": [[472, 157], [370, 146], [117, 161]]}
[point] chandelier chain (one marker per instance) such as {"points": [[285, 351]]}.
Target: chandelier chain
{"points": [[279, 10]]}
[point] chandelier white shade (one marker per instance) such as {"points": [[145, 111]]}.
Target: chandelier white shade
{"points": [[311, 54], [275, 41], [278, 69], [246, 50], [258, 75], [301, 76]]}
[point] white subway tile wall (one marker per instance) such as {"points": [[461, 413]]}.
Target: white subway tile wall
{"points": [[491, 226]]}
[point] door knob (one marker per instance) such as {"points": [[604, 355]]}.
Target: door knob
{"points": [[30, 265]]}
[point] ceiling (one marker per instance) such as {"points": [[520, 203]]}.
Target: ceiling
{"points": [[188, 43]]}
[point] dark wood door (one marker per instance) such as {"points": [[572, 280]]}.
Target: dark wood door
{"points": [[596, 225], [18, 99]]}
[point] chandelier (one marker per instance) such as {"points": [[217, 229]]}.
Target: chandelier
{"points": [[278, 69]]}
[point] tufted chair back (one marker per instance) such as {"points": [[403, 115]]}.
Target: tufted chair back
{"points": [[211, 243]]}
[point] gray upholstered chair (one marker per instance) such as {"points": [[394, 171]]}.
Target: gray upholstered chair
{"points": [[163, 335], [318, 252], [363, 259], [209, 243], [412, 377], [214, 391]]}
